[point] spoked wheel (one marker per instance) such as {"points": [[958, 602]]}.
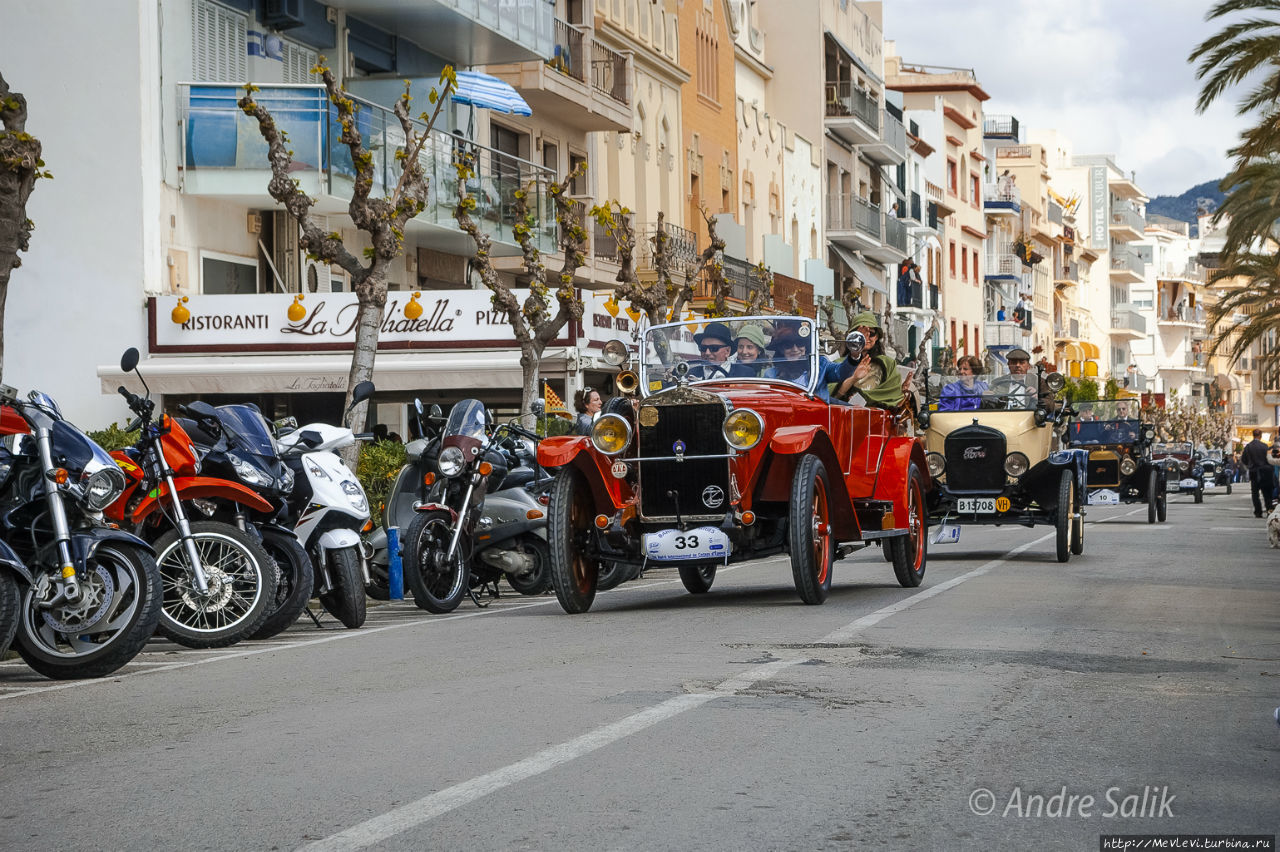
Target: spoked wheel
{"points": [[295, 579], [809, 531], [1154, 492], [909, 551], [241, 586], [537, 579], [698, 578], [439, 584], [574, 574], [1077, 528], [115, 616], [1066, 500], [345, 601], [9, 602]]}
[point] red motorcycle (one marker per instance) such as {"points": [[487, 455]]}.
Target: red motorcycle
{"points": [[219, 582]]}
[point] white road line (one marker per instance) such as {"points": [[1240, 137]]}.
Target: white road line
{"points": [[437, 804]]}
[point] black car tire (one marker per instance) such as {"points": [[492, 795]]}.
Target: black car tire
{"points": [[911, 551], [1066, 498], [1228, 487], [1162, 507], [1199, 494], [809, 531], [569, 516], [1153, 497], [1077, 529], [698, 578]]}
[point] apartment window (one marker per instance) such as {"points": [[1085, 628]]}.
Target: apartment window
{"points": [[954, 340], [219, 43], [952, 176], [708, 57], [975, 191], [976, 277], [578, 186], [964, 265], [227, 274], [953, 258], [964, 340]]}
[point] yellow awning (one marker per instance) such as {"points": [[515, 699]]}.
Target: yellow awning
{"points": [[1090, 350], [1073, 352]]}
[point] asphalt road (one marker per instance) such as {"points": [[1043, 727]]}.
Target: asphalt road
{"points": [[1139, 678]]}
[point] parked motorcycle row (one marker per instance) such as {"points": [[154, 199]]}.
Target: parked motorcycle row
{"points": [[217, 526]]}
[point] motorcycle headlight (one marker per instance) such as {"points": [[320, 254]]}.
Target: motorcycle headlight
{"points": [[250, 474], [286, 480], [316, 470], [1016, 464], [102, 488], [743, 429], [937, 464], [611, 434], [355, 496], [1128, 466], [451, 462]]}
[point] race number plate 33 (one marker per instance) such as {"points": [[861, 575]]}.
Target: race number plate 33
{"points": [[977, 505], [680, 545]]}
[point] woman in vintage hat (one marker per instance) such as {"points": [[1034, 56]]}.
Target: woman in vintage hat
{"points": [[751, 343], [874, 374], [791, 351]]}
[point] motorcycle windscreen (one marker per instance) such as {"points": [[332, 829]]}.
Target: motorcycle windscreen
{"points": [[467, 419], [249, 427]]}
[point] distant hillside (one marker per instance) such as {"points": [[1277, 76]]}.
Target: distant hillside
{"points": [[1183, 207]]}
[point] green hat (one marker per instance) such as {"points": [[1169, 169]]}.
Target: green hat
{"points": [[867, 319], [752, 333]]}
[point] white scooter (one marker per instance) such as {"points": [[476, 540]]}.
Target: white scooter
{"points": [[329, 510]]}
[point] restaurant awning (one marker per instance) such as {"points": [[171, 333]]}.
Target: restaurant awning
{"points": [[481, 369], [864, 273]]}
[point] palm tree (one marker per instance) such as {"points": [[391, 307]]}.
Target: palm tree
{"points": [[1239, 50], [1259, 300]]}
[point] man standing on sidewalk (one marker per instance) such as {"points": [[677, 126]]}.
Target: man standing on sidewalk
{"points": [[1254, 458]]}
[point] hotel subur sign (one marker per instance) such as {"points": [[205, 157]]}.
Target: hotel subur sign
{"points": [[318, 322]]}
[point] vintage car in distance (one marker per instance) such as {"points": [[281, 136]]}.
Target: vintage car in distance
{"points": [[1213, 470], [711, 462], [1184, 474], [992, 457], [1122, 468]]}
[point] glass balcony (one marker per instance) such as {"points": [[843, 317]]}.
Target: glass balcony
{"points": [[1001, 198], [895, 233], [1126, 264], [1126, 220], [852, 113], [890, 149], [224, 155], [1125, 318]]}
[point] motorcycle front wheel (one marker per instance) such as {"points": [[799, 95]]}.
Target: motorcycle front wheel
{"points": [[117, 613], [345, 600], [241, 586], [438, 583], [295, 578]]}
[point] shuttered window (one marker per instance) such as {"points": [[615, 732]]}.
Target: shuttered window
{"points": [[298, 62], [219, 43]]}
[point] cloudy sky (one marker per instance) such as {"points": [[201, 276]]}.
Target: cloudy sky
{"points": [[1112, 75]]}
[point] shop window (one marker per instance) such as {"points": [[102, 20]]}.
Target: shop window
{"points": [[227, 274]]}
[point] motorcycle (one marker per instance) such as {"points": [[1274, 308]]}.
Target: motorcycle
{"points": [[482, 520], [236, 444], [219, 582], [88, 594], [329, 510]]}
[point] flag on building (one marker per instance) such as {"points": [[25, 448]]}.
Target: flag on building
{"points": [[555, 405]]}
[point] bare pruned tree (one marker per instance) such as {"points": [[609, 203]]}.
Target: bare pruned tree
{"points": [[382, 218], [531, 321], [20, 168]]}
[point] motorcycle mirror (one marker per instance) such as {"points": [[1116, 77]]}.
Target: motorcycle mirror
{"points": [[417, 404], [129, 360], [202, 407], [538, 406], [362, 391]]}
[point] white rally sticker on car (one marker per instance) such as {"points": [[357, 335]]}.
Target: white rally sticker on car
{"points": [[945, 534], [1104, 497], [1193, 484], [679, 545]]}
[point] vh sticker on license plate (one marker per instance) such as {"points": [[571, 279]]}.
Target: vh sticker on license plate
{"points": [[1104, 497], [976, 505], [679, 545]]}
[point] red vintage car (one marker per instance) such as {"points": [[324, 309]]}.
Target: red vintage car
{"points": [[709, 459]]}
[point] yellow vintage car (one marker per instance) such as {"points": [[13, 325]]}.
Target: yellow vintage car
{"points": [[994, 458]]}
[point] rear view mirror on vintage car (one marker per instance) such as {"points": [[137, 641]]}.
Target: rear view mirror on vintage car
{"points": [[615, 353]]}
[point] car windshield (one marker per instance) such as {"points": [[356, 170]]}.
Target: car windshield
{"points": [[776, 349], [967, 390], [1213, 455], [1167, 449]]}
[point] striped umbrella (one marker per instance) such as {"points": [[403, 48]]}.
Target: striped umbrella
{"points": [[488, 92]]}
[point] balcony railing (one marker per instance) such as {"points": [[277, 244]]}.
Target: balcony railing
{"points": [[892, 133], [1069, 271], [1002, 261], [915, 296], [1125, 214], [1001, 194], [682, 246], [609, 72], [1123, 260], [865, 217], [1003, 334], [223, 153], [1000, 125], [741, 277], [1055, 213], [895, 233], [604, 245], [1197, 359], [845, 99], [1125, 317], [567, 57]]}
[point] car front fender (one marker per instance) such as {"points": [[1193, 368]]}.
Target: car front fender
{"points": [[891, 478]]}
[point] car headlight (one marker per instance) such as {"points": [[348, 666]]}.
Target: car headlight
{"points": [[1016, 464], [1128, 466], [451, 462], [102, 488], [1184, 466], [1055, 382], [355, 496], [743, 429], [249, 473], [936, 463], [611, 434]]}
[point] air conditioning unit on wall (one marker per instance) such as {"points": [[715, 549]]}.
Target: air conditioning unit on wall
{"points": [[283, 14]]}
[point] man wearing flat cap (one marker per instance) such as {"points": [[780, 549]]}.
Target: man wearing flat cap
{"points": [[873, 374], [715, 343], [1019, 382]]}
